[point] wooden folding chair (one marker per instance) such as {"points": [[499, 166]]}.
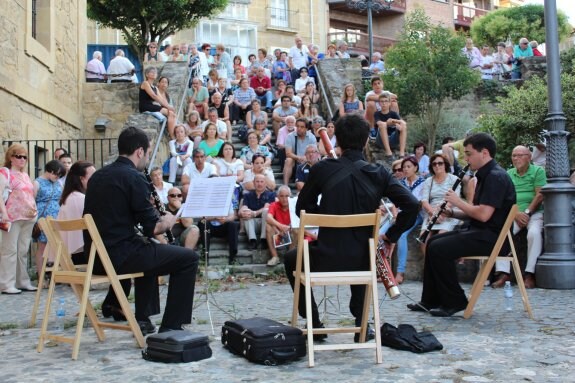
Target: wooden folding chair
{"points": [[43, 272], [310, 279], [64, 271], [489, 261]]}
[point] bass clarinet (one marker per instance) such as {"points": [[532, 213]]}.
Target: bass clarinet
{"points": [[326, 142], [423, 237], [159, 205]]}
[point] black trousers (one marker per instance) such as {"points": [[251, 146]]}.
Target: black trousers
{"points": [[155, 260], [228, 230], [357, 291], [440, 285]]}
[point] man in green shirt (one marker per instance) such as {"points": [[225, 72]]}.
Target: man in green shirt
{"points": [[528, 180]]}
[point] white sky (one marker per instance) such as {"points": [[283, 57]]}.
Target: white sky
{"points": [[567, 6]]}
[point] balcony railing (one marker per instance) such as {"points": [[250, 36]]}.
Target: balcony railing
{"points": [[398, 6], [358, 42], [281, 18], [463, 15], [96, 150]]}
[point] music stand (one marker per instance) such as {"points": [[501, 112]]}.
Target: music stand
{"points": [[208, 197]]}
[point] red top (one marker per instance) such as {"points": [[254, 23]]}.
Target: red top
{"points": [[280, 215], [265, 83]]}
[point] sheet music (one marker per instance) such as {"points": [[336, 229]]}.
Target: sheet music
{"points": [[209, 197], [294, 219]]}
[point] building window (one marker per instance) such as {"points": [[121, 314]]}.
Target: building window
{"points": [[235, 11], [279, 14], [40, 31], [240, 38], [41, 20]]}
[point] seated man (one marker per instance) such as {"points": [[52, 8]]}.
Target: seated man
{"points": [[222, 127], [312, 157], [118, 197], [278, 221], [198, 169], [185, 233], [280, 114], [262, 85], [253, 209], [296, 144], [528, 180], [391, 129], [223, 227], [281, 138]]}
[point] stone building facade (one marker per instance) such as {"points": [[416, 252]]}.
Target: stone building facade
{"points": [[42, 69]]}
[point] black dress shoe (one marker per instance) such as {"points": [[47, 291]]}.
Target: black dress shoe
{"points": [[147, 327], [113, 311], [446, 311], [369, 336], [166, 329], [253, 244], [319, 337], [419, 306]]}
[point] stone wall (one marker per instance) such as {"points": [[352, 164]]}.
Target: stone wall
{"points": [[334, 75]]}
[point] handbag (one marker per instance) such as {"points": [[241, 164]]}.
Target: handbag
{"points": [[6, 192], [36, 231]]}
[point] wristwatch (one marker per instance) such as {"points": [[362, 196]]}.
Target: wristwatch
{"points": [[528, 212]]}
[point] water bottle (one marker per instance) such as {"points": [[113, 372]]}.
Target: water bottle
{"points": [[60, 316], [508, 291]]}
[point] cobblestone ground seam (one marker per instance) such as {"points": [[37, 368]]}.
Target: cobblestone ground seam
{"points": [[493, 346]]}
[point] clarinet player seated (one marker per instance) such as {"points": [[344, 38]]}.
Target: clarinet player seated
{"points": [[433, 194]]}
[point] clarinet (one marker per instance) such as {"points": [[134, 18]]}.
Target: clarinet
{"points": [[423, 237], [159, 205]]}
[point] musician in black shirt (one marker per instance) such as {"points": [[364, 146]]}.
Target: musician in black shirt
{"points": [[118, 197]]}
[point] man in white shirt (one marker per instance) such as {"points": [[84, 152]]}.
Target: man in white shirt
{"points": [[198, 169], [95, 70], [166, 54], [121, 69], [221, 126], [297, 58]]}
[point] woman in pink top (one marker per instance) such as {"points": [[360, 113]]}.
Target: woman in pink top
{"points": [[72, 206], [20, 211]]}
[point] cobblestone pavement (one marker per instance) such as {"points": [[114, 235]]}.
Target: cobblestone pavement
{"points": [[492, 346]]}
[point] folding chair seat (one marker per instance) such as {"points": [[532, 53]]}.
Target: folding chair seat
{"points": [[309, 278], [80, 281], [489, 261]]}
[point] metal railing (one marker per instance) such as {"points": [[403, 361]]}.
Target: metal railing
{"points": [[96, 150], [323, 93], [464, 15], [281, 18]]}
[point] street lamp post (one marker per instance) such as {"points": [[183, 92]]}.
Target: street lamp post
{"points": [[556, 266], [370, 6]]}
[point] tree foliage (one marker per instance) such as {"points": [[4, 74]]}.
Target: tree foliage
{"points": [[521, 120], [511, 24], [142, 21], [429, 69]]}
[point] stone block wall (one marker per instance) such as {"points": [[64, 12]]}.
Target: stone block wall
{"points": [[335, 74]]}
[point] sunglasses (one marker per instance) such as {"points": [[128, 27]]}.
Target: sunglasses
{"points": [[438, 163], [397, 170], [20, 156], [175, 195]]}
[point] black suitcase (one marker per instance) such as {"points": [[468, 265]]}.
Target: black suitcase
{"points": [[264, 341], [178, 346]]}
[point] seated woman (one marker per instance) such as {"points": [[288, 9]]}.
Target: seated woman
{"points": [[331, 134], [163, 85], [279, 91], [238, 64], [198, 97], [258, 168], [433, 194], [235, 81], [224, 91], [193, 127], [212, 83], [302, 80], [312, 92], [422, 158], [150, 102], [227, 163], [181, 151], [211, 144], [349, 101], [72, 206], [306, 109], [255, 113], [414, 183], [152, 53], [263, 133], [252, 148], [243, 97]]}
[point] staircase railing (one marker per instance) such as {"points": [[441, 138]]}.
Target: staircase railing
{"points": [[323, 93]]}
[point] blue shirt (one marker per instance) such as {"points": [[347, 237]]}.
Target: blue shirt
{"points": [[252, 201]]}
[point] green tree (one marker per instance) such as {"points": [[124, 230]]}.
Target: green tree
{"points": [[142, 21], [428, 70], [514, 23], [522, 113]]}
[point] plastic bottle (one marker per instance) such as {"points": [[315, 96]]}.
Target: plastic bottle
{"points": [[508, 292], [60, 316]]}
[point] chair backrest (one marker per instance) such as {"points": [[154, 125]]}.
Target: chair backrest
{"points": [[505, 230]]}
